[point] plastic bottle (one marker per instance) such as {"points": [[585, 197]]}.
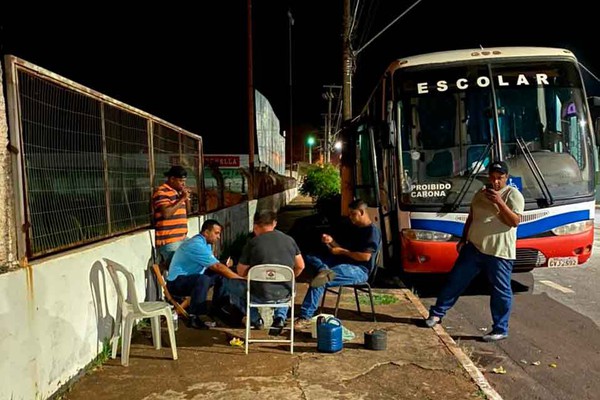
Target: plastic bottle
{"points": [[175, 318]]}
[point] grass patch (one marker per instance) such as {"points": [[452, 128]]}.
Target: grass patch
{"points": [[143, 324], [378, 299], [102, 357]]}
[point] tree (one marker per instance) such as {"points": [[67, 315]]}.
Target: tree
{"points": [[321, 181]]}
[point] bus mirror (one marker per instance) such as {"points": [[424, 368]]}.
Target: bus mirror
{"points": [[594, 105]]}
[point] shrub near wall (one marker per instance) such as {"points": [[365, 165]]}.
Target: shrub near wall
{"points": [[321, 181]]}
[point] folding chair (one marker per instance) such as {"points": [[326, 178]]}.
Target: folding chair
{"points": [[270, 273], [364, 287], [180, 306], [131, 309]]}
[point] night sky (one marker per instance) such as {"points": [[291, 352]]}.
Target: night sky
{"points": [[187, 63]]}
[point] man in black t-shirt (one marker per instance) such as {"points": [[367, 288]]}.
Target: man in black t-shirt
{"points": [[348, 262], [269, 246]]}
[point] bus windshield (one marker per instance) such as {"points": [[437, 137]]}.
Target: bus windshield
{"points": [[533, 113]]}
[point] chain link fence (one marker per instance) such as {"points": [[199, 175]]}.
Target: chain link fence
{"points": [[89, 163]]}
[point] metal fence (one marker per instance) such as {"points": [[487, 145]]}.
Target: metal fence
{"points": [[86, 164], [271, 145]]}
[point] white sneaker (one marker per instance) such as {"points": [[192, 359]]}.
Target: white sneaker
{"points": [[494, 336]]}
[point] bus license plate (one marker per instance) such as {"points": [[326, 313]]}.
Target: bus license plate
{"points": [[562, 262]]}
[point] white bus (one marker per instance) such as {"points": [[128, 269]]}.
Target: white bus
{"points": [[421, 146]]}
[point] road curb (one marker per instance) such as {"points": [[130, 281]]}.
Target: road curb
{"points": [[462, 358]]}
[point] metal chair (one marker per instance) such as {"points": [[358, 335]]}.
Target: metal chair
{"points": [[131, 309], [270, 273], [364, 287]]}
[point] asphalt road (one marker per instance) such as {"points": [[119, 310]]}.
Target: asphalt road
{"points": [[553, 351]]}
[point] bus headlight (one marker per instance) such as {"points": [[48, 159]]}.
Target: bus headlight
{"points": [[430, 236], [575, 227]]}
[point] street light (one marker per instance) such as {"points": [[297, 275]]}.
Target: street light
{"points": [[310, 141]]}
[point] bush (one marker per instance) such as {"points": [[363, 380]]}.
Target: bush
{"points": [[321, 181]]}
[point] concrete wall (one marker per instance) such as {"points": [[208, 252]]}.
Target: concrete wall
{"points": [[7, 218], [56, 312]]}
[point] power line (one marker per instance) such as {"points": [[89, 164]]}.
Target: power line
{"points": [[387, 27], [354, 18]]}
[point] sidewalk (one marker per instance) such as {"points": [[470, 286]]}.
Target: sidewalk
{"points": [[419, 362]]}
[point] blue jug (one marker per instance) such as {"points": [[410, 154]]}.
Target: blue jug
{"points": [[329, 336]]}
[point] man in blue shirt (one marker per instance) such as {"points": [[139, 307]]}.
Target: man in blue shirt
{"points": [[346, 264], [194, 269]]}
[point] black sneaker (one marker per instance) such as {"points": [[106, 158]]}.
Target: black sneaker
{"points": [[196, 323], [278, 322], [277, 326], [258, 324]]}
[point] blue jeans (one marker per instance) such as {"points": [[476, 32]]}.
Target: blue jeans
{"points": [[197, 286], [166, 252], [469, 263], [345, 274], [236, 288]]}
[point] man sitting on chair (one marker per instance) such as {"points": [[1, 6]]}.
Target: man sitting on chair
{"points": [[345, 264], [269, 246], [194, 269]]}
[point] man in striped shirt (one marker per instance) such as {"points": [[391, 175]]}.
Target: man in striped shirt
{"points": [[170, 205]]}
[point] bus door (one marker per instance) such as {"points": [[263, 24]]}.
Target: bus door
{"points": [[374, 183]]}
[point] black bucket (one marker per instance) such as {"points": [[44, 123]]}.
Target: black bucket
{"points": [[376, 340]]}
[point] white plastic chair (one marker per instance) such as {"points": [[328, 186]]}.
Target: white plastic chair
{"points": [[270, 273], [131, 309]]}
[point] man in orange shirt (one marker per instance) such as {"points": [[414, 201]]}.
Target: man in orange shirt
{"points": [[170, 205]]}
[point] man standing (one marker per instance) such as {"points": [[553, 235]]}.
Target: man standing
{"points": [[170, 205], [347, 263], [269, 246], [194, 269], [488, 243]]}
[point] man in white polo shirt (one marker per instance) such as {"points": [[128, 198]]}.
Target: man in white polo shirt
{"points": [[488, 243]]}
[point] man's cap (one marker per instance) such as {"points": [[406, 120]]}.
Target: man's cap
{"points": [[176, 171], [498, 166]]}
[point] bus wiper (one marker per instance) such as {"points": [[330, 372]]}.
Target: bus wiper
{"points": [[471, 178], [537, 174]]}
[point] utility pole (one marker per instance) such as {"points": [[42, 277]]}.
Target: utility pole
{"points": [[347, 63], [326, 135], [329, 96], [290, 24], [251, 117], [328, 125]]}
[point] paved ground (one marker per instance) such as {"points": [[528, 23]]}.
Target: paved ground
{"points": [[418, 363]]}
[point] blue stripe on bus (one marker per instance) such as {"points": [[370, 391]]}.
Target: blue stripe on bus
{"points": [[455, 228], [544, 225], [523, 231]]}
